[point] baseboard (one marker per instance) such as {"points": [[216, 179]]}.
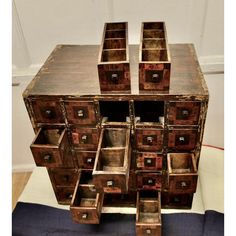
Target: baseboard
{"points": [[23, 168]]}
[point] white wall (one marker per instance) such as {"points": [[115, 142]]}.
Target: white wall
{"points": [[39, 25]]}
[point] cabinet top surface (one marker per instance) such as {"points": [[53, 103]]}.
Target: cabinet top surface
{"points": [[72, 70]]}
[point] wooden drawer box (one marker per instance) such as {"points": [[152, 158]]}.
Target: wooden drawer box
{"points": [[113, 62], [111, 168], [64, 195], [49, 146], [149, 180], [149, 139], [183, 113], [86, 204], [148, 161], [148, 216], [85, 159], [182, 139], [47, 111], [154, 57], [85, 138], [80, 112], [182, 173]]}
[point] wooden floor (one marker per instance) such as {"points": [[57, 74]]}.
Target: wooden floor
{"points": [[19, 180]]}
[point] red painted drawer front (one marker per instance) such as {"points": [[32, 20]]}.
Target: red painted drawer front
{"points": [[148, 161], [149, 139], [149, 180], [184, 113], [182, 139], [47, 111], [86, 138], [85, 159], [80, 112]]}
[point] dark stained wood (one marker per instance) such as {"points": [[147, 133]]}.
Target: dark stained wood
{"points": [[148, 161], [149, 180]]}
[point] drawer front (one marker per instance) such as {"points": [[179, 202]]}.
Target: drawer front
{"points": [[85, 216], [182, 139], [85, 160], [182, 184], [63, 177], [47, 111], [148, 161], [149, 139], [184, 113], [64, 195], [86, 138], [149, 181], [148, 230], [114, 77], [80, 112], [154, 76]]}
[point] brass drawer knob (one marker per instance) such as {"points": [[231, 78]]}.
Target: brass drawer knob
{"points": [[80, 113], [148, 231], [84, 216]]}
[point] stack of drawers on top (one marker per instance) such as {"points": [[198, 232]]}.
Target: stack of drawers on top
{"points": [[116, 149]]}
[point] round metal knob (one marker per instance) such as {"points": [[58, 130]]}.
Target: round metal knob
{"points": [[183, 184], [185, 113], [89, 160], [150, 140], [114, 78], [155, 76], [181, 139], [47, 157]]}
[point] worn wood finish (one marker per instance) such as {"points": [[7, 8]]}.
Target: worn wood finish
{"points": [[148, 216], [149, 180], [113, 60], [154, 57], [85, 159], [148, 161]]}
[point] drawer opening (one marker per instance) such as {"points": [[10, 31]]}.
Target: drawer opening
{"points": [[114, 44], [49, 136], [109, 55], [149, 111], [154, 44], [86, 177], [114, 111], [154, 55], [181, 163]]}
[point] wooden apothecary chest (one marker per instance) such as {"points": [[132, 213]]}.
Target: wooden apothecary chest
{"points": [[144, 143]]}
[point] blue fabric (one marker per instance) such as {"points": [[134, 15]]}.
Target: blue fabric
{"points": [[38, 220]]}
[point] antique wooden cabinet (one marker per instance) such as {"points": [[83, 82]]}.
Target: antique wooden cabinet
{"points": [[133, 148]]}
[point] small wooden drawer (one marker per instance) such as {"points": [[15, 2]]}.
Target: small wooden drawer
{"points": [[149, 180], [47, 111], [111, 168], [154, 57], [182, 139], [183, 113], [80, 112], [149, 139], [148, 161], [85, 159], [49, 146], [85, 138], [63, 177], [176, 201], [182, 173], [113, 62], [148, 216], [64, 195], [86, 205]]}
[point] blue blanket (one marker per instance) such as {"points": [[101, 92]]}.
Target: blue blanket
{"points": [[38, 220]]}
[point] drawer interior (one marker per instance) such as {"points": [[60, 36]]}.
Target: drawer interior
{"points": [[181, 163], [86, 177], [154, 55], [113, 55], [154, 44]]}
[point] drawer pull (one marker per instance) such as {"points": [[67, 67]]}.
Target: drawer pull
{"points": [[114, 78], [80, 113], [148, 231], [183, 184], [89, 160], [47, 157], [85, 216], [110, 183], [185, 113], [149, 161], [181, 139], [150, 181], [48, 113], [155, 77], [84, 138], [70, 196], [149, 140]]}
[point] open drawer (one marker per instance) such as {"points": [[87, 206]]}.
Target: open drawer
{"points": [[49, 146], [182, 173], [111, 168], [148, 215]]}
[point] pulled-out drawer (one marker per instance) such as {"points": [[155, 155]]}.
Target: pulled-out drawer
{"points": [[149, 180], [111, 168], [49, 146], [182, 173], [148, 161], [148, 216], [80, 112], [63, 177], [183, 113], [64, 195], [85, 159], [86, 205], [149, 139], [182, 139], [85, 138]]}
